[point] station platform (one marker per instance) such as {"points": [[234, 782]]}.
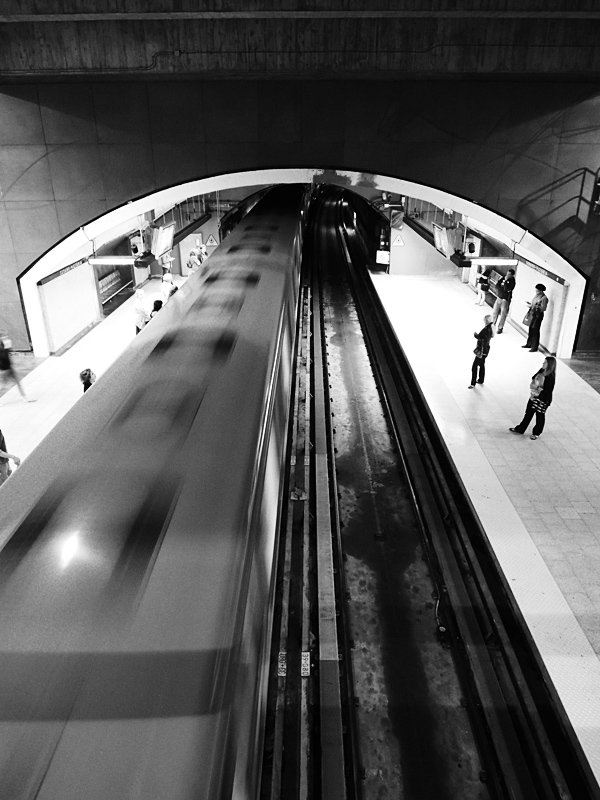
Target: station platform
{"points": [[538, 501], [54, 386]]}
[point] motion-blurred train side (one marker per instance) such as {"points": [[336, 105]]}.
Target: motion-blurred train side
{"points": [[138, 543]]}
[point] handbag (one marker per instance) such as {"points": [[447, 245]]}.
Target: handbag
{"points": [[540, 406], [527, 317], [478, 352]]}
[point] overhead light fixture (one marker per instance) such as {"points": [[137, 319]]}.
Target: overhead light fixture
{"points": [[508, 262], [98, 261]]}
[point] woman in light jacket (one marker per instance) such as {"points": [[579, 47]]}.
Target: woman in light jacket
{"points": [[481, 351], [540, 397]]}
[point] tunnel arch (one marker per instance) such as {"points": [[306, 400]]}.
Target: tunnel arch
{"points": [[83, 242]]}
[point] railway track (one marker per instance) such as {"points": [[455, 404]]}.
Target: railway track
{"points": [[403, 668], [307, 734]]}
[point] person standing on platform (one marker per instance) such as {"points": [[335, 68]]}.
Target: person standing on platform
{"points": [[166, 286], [504, 289], [481, 351], [156, 307], [5, 456], [537, 308], [483, 284], [193, 262], [141, 315], [166, 261], [540, 397], [87, 377]]}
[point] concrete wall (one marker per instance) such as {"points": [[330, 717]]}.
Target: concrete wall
{"points": [[393, 39], [71, 151]]}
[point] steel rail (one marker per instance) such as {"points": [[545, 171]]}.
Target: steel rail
{"points": [[333, 785], [304, 381], [306, 751], [298, 447]]}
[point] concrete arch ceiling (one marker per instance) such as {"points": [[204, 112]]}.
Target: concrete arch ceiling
{"points": [[91, 236]]}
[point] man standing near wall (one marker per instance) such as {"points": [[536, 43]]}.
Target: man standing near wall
{"points": [[504, 293]]}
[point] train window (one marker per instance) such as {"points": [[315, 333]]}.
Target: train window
{"points": [[250, 278], [142, 541], [224, 345], [167, 341], [161, 407], [257, 248], [222, 302], [31, 529]]}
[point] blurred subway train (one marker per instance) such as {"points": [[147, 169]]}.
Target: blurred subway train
{"points": [[138, 542]]}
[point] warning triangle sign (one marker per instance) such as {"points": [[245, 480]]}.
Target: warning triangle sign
{"points": [[211, 241], [398, 241]]}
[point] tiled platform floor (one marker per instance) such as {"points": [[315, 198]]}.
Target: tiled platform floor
{"points": [[539, 501]]}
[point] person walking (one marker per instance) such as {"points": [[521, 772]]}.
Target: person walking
{"points": [[504, 288], [540, 397], [7, 367], [483, 284], [5, 456], [481, 352], [537, 308]]}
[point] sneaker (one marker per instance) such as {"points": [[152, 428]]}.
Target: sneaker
{"points": [[524, 345], [499, 330], [481, 382], [514, 430], [533, 350], [534, 436], [471, 386]]}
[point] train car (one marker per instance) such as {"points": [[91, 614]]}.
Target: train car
{"points": [[138, 541]]}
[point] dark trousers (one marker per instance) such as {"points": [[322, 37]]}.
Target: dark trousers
{"points": [[540, 420], [533, 340], [478, 365]]}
